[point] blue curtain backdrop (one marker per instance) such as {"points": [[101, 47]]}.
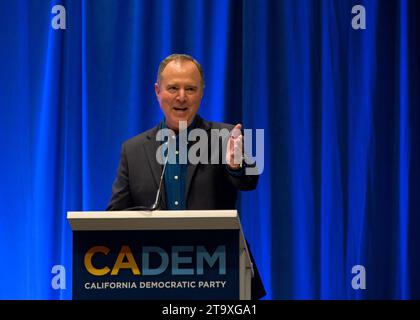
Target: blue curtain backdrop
{"points": [[340, 109]]}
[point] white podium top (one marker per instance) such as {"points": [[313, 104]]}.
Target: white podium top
{"points": [[154, 220]]}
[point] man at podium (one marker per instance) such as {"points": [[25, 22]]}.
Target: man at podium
{"points": [[162, 169]]}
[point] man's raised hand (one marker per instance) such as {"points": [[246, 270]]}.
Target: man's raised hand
{"points": [[234, 150]]}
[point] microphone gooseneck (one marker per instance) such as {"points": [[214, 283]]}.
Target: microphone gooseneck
{"points": [[156, 204], [159, 191]]}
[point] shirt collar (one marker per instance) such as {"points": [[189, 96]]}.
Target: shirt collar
{"points": [[192, 125]]}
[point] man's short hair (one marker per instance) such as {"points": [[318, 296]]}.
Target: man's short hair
{"points": [[179, 57]]}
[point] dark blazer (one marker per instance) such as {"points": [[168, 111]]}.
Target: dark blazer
{"points": [[208, 187]]}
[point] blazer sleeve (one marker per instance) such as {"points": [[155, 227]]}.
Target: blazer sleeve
{"points": [[241, 180], [121, 195]]}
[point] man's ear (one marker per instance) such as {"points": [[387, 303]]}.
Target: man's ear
{"points": [[157, 90]]}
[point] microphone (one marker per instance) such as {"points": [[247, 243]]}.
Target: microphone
{"points": [[156, 204]]}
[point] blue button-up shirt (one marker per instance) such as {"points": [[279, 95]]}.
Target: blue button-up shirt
{"points": [[175, 176]]}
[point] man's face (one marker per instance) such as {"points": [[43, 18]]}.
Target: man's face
{"points": [[180, 92]]}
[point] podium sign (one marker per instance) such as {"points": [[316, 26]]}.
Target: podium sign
{"points": [[160, 255]]}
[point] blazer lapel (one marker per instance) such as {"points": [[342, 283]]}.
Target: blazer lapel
{"points": [[192, 168], [190, 174], [150, 148]]}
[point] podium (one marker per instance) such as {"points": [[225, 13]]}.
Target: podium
{"points": [[160, 255]]}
